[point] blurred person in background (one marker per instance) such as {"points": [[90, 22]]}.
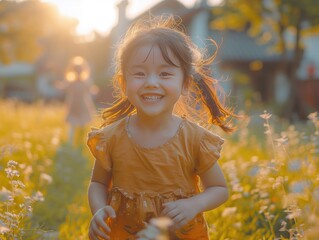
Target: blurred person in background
{"points": [[79, 103]]}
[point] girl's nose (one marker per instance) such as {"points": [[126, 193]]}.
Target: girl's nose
{"points": [[151, 81]]}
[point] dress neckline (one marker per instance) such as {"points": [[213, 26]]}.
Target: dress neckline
{"points": [[129, 135]]}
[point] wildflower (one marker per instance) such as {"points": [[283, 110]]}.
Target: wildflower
{"points": [[18, 183], [12, 163], [162, 222], [265, 115], [238, 225], [157, 229], [313, 116], [293, 212], [262, 209], [282, 140], [229, 211], [3, 229], [38, 196], [283, 226], [4, 194], [11, 173], [46, 177], [278, 182]]}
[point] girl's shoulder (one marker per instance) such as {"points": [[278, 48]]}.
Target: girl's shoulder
{"points": [[115, 129], [199, 133]]}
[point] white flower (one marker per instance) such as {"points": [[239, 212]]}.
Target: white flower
{"points": [[229, 211], [4, 194], [38, 197], [46, 177], [3, 229], [313, 116], [265, 115]]}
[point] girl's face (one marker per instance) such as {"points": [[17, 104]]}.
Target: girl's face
{"points": [[152, 85]]}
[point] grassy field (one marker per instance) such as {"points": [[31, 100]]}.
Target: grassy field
{"points": [[272, 169]]}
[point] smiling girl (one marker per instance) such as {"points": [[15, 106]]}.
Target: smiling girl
{"points": [[151, 158]]}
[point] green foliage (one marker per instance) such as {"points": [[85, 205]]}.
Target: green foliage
{"points": [[268, 20]]}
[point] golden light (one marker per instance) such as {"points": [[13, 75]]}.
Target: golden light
{"points": [[93, 15], [101, 15]]}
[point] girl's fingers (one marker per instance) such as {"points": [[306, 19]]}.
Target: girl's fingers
{"points": [[97, 232], [110, 211], [171, 212], [101, 223], [167, 208], [179, 219]]}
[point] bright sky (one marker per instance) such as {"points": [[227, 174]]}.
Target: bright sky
{"points": [[101, 15]]}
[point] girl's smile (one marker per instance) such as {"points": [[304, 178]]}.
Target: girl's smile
{"points": [[152, 85]]}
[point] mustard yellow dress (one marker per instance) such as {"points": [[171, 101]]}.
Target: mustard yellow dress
{"points": [[145, 178]]}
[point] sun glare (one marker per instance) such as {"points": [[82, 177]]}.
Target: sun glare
{"points": [[93, 15], [101, 15]]}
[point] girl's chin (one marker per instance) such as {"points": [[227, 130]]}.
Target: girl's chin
{"points": [[153, 112]]}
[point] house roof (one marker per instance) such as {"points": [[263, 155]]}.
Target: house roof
{"points": [[235, 46], [239, 46], [173, 7]]}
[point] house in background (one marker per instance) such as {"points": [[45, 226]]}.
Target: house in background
{"points": [[16, 81], [247, 68]]}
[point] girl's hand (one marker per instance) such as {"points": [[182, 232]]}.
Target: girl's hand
{"points": [[98, 228], [181, 212]]}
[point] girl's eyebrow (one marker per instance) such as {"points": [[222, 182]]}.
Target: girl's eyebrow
{"points": [[160, 66]]}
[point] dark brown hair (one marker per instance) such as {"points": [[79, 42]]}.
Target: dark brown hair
{"points": [[202, 103]]}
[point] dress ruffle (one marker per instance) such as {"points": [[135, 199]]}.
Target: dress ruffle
{"points": [[134, 210], [97, 143], [209, 151], [143, 205]]}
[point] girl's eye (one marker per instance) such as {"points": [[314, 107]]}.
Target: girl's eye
{"points": [[165, 74], [139, 74]]}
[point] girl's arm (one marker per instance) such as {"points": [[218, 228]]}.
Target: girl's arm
{"points": [[215, 190], [99, 186], [215, 193], [98, 196]]}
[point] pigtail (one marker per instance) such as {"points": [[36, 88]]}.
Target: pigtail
{"points": [[208, 97], [120, 109]]}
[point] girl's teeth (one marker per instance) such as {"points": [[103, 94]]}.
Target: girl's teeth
{"points": [[152, 97]]}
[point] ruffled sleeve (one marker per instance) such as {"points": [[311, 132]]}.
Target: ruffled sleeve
{"points": [[210, 147], [98, 145]]}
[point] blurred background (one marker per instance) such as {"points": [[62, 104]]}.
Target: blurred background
{"points": [[268, 59], [268, 55]]}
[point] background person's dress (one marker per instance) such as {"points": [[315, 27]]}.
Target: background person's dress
{"points": [[79, 103]]}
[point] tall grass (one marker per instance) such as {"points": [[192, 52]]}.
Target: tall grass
{"points": [[273, 178]]}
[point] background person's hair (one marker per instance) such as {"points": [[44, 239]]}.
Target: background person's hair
{"points": [[77, 69], [202, 104]]}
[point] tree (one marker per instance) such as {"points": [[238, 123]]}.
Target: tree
{"points": [[274, 19], [24, 24]]}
